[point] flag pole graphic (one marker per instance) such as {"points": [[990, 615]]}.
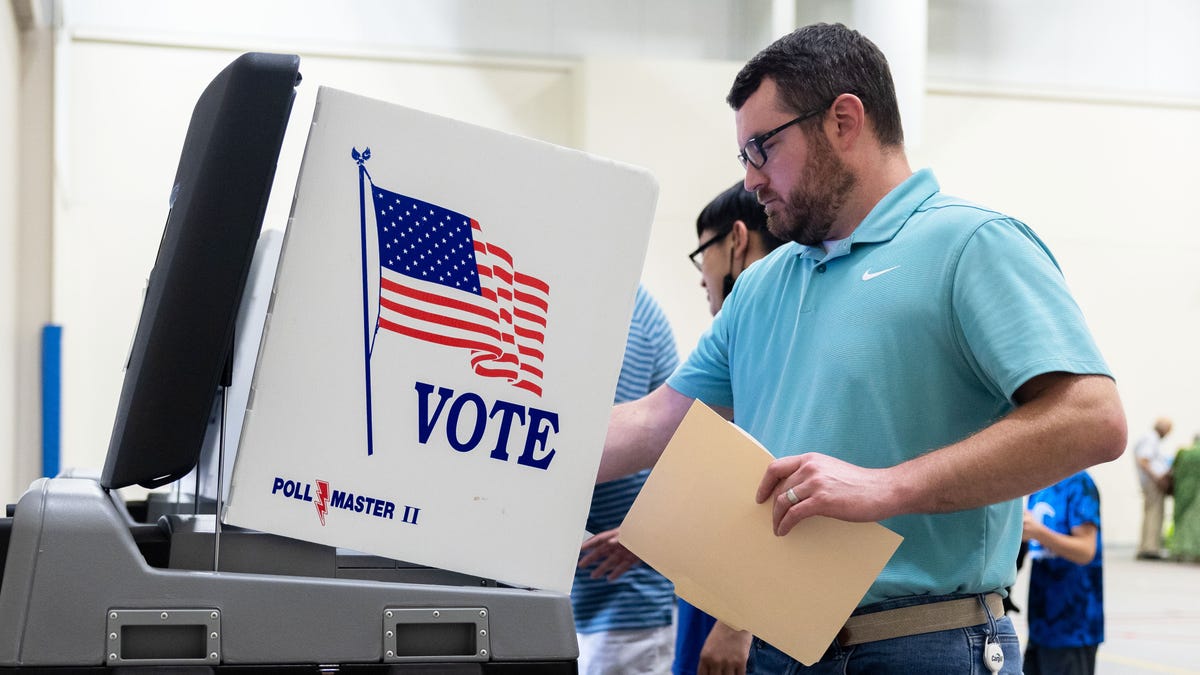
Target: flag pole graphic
{"points": [[363, 178]]}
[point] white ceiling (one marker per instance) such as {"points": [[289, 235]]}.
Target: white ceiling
{"points": [[1096, 47]]}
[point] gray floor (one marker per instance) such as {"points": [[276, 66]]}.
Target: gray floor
{"points": [[1152, 615]]}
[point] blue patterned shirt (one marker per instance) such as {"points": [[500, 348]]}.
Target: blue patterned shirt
{"points": [[641, 598], [1066, 600]]}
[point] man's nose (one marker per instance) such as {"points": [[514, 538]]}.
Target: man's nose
{"points": [[755, 179]]}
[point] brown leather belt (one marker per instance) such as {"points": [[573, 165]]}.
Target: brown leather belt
{"points": [[917, 619]]}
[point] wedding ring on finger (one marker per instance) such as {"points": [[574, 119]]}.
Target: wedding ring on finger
{"points": [[791, 495]]}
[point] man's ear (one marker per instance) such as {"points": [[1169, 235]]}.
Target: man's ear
{"points": [[848, 121]]}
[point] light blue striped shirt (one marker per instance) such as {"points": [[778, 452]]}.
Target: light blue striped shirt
{"points": [[641, 598]]}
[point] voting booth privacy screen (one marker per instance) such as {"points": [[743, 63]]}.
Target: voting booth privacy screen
{"points": [[441, 349], [186, 328]]}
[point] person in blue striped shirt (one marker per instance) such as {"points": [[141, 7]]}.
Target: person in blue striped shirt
{"points": [[624, 609]]}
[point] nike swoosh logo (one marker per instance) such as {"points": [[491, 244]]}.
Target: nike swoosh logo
{"points": [[869, 275]]}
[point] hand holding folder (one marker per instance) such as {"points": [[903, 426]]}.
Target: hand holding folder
{"points": [[696, 521]]}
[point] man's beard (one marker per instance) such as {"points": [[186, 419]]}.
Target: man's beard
{"points": [[810, 209]]}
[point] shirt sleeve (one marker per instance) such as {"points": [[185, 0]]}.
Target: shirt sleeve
{"points": [[704, 375], [1016, 316], [650, 355], [1084, 504]]}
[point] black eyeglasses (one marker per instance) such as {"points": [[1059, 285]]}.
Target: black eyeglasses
{"points": [[697, 256], [754, 154]]}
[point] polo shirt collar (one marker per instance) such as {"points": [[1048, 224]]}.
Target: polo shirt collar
{"points": [[888, 216]]}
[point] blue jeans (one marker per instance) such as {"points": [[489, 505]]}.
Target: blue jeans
{"points": [[958, 651]]}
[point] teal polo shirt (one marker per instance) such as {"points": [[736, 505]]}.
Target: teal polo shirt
{"points": [[910, 335]]}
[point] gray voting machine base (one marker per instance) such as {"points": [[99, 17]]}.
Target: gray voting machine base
{"points": [[79, 594]]}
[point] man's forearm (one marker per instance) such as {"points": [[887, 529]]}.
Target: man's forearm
{"points": [[638, 432], [1068, 424]]}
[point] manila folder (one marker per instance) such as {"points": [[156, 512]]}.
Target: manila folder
{"points": [[697, 523]]}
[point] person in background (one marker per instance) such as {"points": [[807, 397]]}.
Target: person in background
{"points": [[1153, 467], [732, 234], [623, 608], [1185, 476], [1066, 578], [910, 358]]}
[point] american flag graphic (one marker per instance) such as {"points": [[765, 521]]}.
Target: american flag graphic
{"points": [[441, 282]]}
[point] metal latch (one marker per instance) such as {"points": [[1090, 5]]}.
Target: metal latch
{"points": [[435, 634], [163, 637]]}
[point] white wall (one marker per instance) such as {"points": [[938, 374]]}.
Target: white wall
{"points": [[670, 117], [26, 149], [1145, 48], [35, 209], [708, 29], [9, 86]]}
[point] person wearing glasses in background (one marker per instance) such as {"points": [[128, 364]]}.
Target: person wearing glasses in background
{"points": [[732, 234], [909, 357]]}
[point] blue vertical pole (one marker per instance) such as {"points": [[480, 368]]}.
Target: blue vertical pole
{"points": [[51, 399]]}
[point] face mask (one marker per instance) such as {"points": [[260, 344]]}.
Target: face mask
{"points": [[727, 281]]}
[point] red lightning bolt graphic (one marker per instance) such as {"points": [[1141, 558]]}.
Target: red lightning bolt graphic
{"points": [[322, 499]]}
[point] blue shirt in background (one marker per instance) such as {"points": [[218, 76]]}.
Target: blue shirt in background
{"points": [[1066, 600]]}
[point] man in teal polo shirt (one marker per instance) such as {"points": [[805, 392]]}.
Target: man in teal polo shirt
{"points": [[909, 357]]}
